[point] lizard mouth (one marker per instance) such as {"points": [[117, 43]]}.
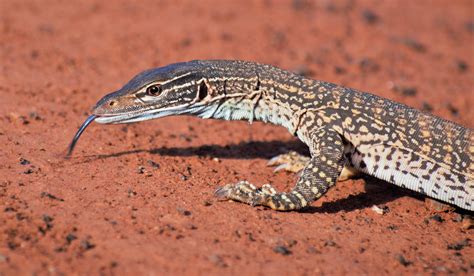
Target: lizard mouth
{"points": [[122, 118], [131, 117]]}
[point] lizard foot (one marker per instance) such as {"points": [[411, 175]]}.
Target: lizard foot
{"points": [[245, 192], [291, 161]]}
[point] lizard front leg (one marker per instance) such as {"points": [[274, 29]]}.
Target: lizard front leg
{"points": [[322, 171]]}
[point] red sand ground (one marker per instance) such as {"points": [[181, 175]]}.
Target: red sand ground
{"points": [[110, 210]]}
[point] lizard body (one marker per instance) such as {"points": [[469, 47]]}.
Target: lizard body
{"points": [[341, 126]]}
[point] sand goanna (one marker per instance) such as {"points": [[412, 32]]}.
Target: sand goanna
{"points": [[346, 130]]}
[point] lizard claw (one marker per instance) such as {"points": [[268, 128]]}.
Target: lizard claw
{"points": [[281, 167], [222, 193], [291, 161]]}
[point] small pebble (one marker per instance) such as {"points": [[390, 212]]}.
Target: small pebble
{"points": [[368, 65], [437, 218], [87, 245], [3, 258], [183, 211], [28, 171], [413, 44], [217, 260], [426, 107], [340, 70], [369, 16], [141, 170], [467, 222], [282, 250], [23, 161], [70, 237], [380, 211], [330, 243], [454, 111], [401, 259], [458, 245], [153, 164], [470, 26], [462, 66]]}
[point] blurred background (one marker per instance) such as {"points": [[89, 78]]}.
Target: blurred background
{"points": [[139, 198], [412, 51]]}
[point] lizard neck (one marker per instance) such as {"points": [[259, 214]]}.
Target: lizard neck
{"points": [[253, 107]]}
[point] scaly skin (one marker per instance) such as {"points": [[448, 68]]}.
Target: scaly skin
{"points": [[341, 126]]}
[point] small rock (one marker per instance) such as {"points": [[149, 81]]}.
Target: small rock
{"points": [[368, 65], [401, 259], [113, 264], [131, 193], [300, 5], [183, 212], [35, 116], [403, 90], [153, 164], [467, 222], [437, 218], [3, 258], [217, 260], [462, 66], [70, 237], [23, 161], [87, 245], [12, 245], [190, 226], [409, 91], [282, 250], [207, 203], [250, 237], [426, 107], [50, 196], [459, 245], [141, 170], [452, 109], [369, 16], [339, 70], [380, 211], [457, 218], [9, 209], [313, 250], [28, 171], [330, 243], [470, 26], [413, 44], [392, 227]]}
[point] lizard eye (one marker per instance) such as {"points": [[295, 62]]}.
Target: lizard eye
{"points": [[153, 90]]}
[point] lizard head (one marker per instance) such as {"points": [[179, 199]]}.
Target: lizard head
{"points": [[154, 93], [175, 89]]}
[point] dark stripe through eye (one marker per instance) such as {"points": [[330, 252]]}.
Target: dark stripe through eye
{"points": [[153, 90]]}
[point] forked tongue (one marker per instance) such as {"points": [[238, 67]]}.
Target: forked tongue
{"points": [[87, 122]]}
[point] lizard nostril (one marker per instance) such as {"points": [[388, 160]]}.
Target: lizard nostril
{"points": [[112, 103]]}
